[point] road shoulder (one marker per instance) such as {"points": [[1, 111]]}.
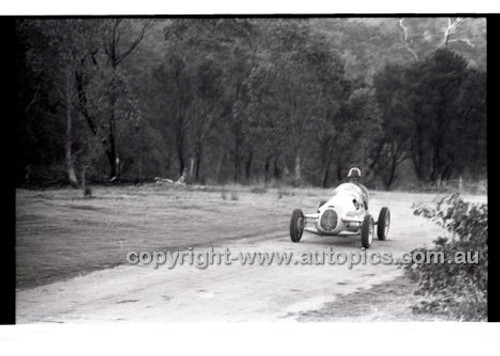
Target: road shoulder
{"points": [[388, 301]]}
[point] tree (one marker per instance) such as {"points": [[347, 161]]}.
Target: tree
{"points": [[332, 90], [96, 84], [174, 85], [214, 53], [434, 96], [206, 107], [115, 33], [68, 43], [393, 147], [470, 131], [290, 86], [290, 100], [434, 111], [235, 45], [359, 132]]}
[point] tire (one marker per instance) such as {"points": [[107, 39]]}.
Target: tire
{"points": [[384, 220], [321, 203], [297, 225], [367, 230]]}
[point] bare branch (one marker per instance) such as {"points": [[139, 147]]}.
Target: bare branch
{"points": [[134, 44], [105, 44], [115, 33], [405, 38], [34, 99], [465, 40], [450, 29], [61, 94]]}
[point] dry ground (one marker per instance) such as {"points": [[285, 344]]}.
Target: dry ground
{"points": [[71, 257]]}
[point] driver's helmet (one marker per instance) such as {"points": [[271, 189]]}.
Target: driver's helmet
{"points": [[354, 172]]}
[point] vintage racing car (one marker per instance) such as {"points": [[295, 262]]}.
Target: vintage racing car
{"points": [[344, 214]]}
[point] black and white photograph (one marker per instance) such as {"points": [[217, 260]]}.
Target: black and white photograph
{"points": [[293, 169]]}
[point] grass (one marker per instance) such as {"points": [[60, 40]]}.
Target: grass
{"points": [[61, 235]]}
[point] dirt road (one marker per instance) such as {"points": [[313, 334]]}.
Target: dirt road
{"points": [[233, 292]]}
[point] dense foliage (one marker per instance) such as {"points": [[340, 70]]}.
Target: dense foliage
{"points": [[456, 289], [250, 100]]}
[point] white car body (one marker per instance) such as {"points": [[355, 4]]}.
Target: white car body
{"points": [[342, 214], [345, 213]]}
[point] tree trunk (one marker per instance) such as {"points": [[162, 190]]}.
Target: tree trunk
{"points": [[237, 162], [180, 157], [388, 178], [113, 152], [419, 159], [69, 157], [267, 168], [248, 167], [198, 157], [111, 161], [326, 174], [221, 164], [86, 190], [326, 161], [141, 169], [277, 169], [391, 174], [339, 171], [298, 166], [191, 167], [180, 142]]}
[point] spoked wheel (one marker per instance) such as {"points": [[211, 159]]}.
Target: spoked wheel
{"points": [[367, 231], [297, 223], [384, 220]]}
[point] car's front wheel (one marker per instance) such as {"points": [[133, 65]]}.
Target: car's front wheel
{"points": [[297, 223], [367, 231]]}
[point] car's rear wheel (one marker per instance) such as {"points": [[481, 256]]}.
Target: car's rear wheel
{"points": [[367, 231], [384, 220], [297, 223]]}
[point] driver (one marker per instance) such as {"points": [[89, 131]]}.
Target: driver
{"points": [[354, 176]]}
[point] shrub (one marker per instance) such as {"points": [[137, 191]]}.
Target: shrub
{"points": [[285, 193], [258, 190], [453, 289], [235, 195]]}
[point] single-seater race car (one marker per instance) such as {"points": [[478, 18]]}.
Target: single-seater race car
{"points": [[344, 214]]}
